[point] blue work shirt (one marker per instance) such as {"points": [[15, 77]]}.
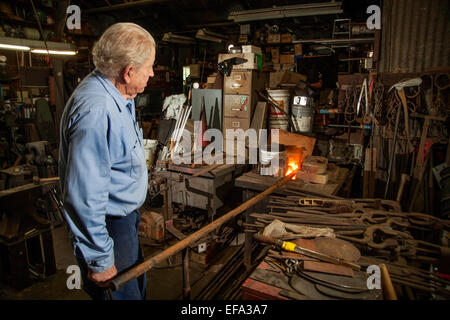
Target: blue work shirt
{"points": [[101, 166]]}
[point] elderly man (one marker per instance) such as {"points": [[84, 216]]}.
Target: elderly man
{"points": [[101, 160]]}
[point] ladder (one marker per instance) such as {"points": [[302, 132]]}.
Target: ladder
{"points": [[342, 30]]}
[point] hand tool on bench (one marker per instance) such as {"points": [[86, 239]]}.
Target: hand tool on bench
{"points": [[289, 246], [150, 262]]}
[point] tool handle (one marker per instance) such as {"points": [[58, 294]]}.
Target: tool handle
{"points": [[388, 288], [266, 239]]}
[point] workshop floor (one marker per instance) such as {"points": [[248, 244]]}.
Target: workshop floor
{"points": [[163, 282]]}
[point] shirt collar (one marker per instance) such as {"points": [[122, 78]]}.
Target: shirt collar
{"points": [[112, 90]]}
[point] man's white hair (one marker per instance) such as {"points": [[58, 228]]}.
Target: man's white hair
{"points": [[121, 45]]}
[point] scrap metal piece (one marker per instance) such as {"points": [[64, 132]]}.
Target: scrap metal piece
{"points": [[337, 248]]}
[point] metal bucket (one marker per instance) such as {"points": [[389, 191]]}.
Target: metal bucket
{"points": [[303, 118], [282, 97]]}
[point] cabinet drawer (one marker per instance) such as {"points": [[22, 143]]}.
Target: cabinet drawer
{"points": [[238, 82], [235, 123], [237, 106]]}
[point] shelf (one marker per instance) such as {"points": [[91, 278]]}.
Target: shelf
{"points": [[337, 41]]}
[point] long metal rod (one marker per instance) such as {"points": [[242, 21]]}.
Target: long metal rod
{"points": [[149, 263], [186, 282], [391, 160]]}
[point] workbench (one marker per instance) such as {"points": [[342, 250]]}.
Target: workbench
{"points": [[256, 182], [266, 283], [253, 183], [198, 186], [25, 237]]}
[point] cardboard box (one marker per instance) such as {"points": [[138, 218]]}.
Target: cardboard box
{"points": [[237, 106], [259, 116], [194, 70], [275, 79], [290, 77], [287, 58], [297, 140], [273, 38], [298, 49], [243, 38], [286, 38], [254, 60], [287, 67], [251, 49], [214, 81], [275, 52]]}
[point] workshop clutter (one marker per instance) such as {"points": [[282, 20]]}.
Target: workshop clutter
{"points": [[405, 118], [151, 226], [369, 232]]}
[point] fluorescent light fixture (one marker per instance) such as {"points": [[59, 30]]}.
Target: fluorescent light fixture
{"points": [[43, 51], [310, 9], [37, 46], [210, 36], [174, 38], [14, 47]]}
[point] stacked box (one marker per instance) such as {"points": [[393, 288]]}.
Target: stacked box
{"points": [[273, 38]]}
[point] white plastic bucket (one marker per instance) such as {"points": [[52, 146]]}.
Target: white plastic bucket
{"points": [[303, 118], [149, 151], [282, 97], [279, 123]]}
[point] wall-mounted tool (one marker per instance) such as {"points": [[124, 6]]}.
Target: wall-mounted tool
{"points": [[400, 86], [226, 66]]}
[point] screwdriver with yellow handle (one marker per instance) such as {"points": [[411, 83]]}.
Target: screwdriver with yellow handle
{"points": [[292, 247]]}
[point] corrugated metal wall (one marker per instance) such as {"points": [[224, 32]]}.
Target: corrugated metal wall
{"points": [[414, 35]]}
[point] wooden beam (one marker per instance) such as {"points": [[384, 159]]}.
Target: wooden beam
{"points": [[123, 6]]}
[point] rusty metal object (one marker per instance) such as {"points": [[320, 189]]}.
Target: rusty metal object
{"points": [[310, 253], [143, 267], [338, 248], [326, 203]]}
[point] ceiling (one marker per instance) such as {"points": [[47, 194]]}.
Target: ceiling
{"points": [[187, 16]]}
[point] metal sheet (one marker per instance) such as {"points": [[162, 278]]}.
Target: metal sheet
{"points": [[414, 35], [338, 248]]}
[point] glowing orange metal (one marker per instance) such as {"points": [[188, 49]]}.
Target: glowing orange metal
{"points": [[292, 167]]}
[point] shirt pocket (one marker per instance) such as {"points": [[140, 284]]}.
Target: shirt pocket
{"points": [[136, 161]]}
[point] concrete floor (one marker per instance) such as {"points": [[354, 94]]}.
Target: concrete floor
{"points": [[163, 282]]}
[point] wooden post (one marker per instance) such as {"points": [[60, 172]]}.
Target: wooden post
{"points": [[388, 288]]}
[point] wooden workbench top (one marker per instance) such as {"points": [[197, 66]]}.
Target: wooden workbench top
{"points": [[254, 181]]}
